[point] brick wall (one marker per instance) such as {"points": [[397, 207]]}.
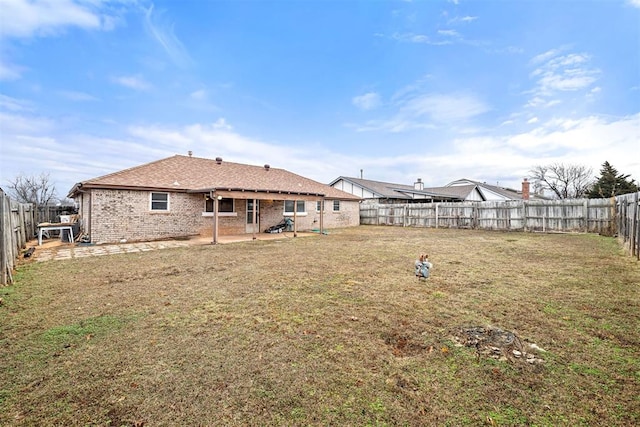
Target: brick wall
{"points": [[117, 215], [348, 215]]}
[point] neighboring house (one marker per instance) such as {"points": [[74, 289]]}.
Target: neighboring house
{"points": [[456, 191], [185, 196], [481, 191], [387, 192]]}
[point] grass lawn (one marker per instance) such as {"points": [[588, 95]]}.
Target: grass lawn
{"points": [[326, 330]]}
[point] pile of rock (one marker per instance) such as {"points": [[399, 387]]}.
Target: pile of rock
{"points": [[498, 344]]}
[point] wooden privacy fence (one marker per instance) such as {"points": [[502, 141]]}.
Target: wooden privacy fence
{"points": [[17, 226], [615, 216], [585, 215], [628, 222]]}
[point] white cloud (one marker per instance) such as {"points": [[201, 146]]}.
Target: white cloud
{"points": [[163, 32], [22, 18], [590, 136], [221, 123], [532, 120], [368, 101], [77, 96], [410, 37], [634, 3], [443, 108], [136, 82], [14, 104], [558, 74], [413, 107], [10, 71], [449, 33], [506, 157], [462, 19], [13, 123], [198, 95]]}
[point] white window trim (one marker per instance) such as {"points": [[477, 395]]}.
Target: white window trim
{"points": [[151, 193], [210, 214], [333, 206], [297, 214]]}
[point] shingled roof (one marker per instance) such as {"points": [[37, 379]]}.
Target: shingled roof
{"points": [[195, 174], [391, 190]]}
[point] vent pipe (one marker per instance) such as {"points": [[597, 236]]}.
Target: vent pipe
{"points": [[267, 167], [190, 153], [219, 160]]}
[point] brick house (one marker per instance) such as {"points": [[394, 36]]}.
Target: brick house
{"points": [[182, 196]]}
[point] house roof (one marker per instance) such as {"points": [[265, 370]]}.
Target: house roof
{"points": [[196, 174], [507, 193], [460, 191], [401, 191], [380, 188]]}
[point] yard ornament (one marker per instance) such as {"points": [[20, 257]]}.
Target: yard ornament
{"points": [[423, 266]]}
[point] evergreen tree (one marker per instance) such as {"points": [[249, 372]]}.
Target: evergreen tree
{"points": [[611, 183]]}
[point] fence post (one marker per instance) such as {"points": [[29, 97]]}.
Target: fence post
{"points": [[3, 244], [585, 208], [634, 229], [474, 216]]}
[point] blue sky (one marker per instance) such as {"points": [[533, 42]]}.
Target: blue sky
{"points": [[437, 90]]}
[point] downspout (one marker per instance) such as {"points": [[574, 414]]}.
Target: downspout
{"points": [[86, 224]]}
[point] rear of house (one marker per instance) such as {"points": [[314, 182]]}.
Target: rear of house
{"points": [[183, 196]]}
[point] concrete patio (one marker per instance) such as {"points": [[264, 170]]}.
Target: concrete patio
{"points": [[57, 250]]}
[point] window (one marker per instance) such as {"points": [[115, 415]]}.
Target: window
{"points": [[224, 205], [336, 205], [318, 206], [288, 207], [160, 201]]}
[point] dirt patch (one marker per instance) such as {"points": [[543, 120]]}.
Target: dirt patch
{"points": [[498, 344]]}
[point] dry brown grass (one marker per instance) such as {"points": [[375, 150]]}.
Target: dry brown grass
{"points": [[325, 330]]}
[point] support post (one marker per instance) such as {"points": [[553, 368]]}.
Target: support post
{"points": [[215, 218], [295, 218], [255, 214]]}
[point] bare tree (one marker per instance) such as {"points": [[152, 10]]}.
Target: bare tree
{"points": [[565, 181], [38, 190]]}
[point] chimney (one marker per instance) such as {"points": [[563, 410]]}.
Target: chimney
{"points": [[267, 167], [219, 160], [418, 185], [190, 153], [525, 189]]}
